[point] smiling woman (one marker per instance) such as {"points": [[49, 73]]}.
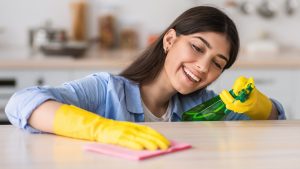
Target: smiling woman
{"points": [[168, 78], [188, 56], [200, 56]]}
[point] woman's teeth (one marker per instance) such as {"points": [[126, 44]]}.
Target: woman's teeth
{"points": [[191, 75]]}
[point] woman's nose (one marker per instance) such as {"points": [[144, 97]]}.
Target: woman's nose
{"points": [[203, 66]]}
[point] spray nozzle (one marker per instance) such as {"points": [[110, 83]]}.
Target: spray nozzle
{"points": [[243, 95]]}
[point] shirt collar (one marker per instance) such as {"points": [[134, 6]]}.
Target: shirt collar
{"points": [[133, 97], [134, 102], [177, 109]]}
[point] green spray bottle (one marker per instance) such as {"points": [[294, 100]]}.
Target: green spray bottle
{"points": [[215, 109]]}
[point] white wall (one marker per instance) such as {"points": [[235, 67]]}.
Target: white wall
{"points": [[17, 16]]}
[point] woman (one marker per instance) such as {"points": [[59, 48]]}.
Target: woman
{"points": [[169, 78]]}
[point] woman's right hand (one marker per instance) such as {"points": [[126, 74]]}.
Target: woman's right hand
{"points": [[75, 122]]}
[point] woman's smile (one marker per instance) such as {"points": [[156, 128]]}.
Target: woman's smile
{"points": [[190, 75]]}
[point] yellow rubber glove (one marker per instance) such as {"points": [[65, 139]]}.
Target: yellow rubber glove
{"points": [[257, 106], [74, 122]]}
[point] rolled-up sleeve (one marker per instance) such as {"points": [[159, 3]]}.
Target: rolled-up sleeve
{"points": [[241, 116], [84, 93], [23, 103], [280, 110]]}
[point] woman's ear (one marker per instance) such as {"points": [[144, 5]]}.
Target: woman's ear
{"points": [[169, 39]]}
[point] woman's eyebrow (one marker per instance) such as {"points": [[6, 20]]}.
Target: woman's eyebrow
{"points": [[209, 46], [204, 41], [223, 57]]}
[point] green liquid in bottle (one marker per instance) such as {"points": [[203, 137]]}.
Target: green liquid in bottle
{"points": [[211, 110], [214, 109]]}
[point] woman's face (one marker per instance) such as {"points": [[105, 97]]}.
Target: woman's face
{"points": [[196, 60]]}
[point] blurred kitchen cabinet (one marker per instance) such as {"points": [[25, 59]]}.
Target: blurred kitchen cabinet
{"points": [[276, 84], [8, 85], [296, 94], [51, 77], [78, 74], [14, 80], [18, 79]]}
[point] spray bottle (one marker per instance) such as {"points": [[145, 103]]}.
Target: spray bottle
{"points": [[215, 109]]}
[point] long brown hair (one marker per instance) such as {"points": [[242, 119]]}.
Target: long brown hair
{"points": [[197, 19]]}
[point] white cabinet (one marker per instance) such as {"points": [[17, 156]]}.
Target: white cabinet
{"points": [[14, 80], [296, 94], [82, 73], [52, 78], [24, 78], [276, 84]]}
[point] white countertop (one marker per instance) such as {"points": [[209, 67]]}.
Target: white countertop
{"points": [[234, 145]]}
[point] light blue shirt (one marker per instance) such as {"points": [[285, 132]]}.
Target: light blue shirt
{"points": [[110, 96]]}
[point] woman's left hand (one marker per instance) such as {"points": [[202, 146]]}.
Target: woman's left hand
{"points": [[257, 106]]}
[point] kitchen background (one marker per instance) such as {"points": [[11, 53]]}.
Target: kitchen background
{"points": [[47, 42]]}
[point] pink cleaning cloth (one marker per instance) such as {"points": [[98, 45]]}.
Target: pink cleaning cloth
{"points": [[133, 154]]}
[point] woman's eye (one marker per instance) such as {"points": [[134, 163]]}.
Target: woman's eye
{"points": [[201, 50], [217, 65]]}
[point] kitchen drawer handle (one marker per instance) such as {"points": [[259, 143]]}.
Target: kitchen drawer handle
{"points": [[8, 83], [40, 81]]}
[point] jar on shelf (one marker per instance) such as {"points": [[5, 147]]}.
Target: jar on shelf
{"points": [[107, 31], [78, 13]]}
